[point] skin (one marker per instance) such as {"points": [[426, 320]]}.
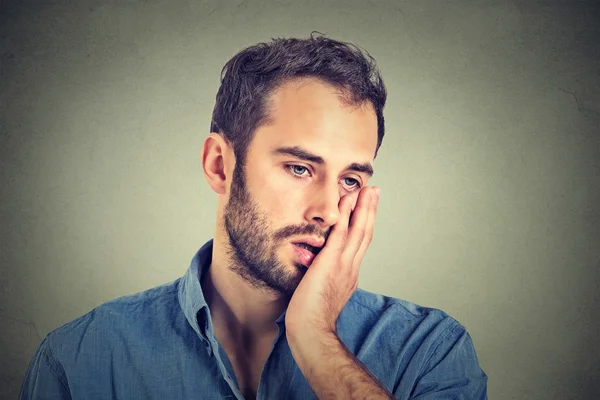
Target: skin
{"points": [[254, 276]]}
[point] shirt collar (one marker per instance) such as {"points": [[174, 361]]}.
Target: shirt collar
{"points": [[190, 294]]}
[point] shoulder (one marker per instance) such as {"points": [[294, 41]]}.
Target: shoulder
{"points": [[412, 348], [397, 318], [391, 334], [117, 317], [378, 305]]}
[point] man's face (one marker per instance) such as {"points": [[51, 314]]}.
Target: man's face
{"points": [[281, 198]]}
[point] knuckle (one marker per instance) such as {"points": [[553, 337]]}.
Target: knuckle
{"points": [[362, 232]]}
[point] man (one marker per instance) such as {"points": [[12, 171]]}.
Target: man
{"points": [[270, 309]]}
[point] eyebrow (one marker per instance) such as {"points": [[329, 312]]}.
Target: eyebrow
{"points": [[303, 154]]}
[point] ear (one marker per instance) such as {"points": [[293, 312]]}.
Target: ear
{"points": [[218, 162]]}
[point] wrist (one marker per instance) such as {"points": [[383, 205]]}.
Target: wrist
{"points": [[313, 348], [311, 337]]}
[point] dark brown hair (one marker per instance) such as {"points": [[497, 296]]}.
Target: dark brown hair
{"points": [[255, 72]]}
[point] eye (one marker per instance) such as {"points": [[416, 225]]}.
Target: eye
{"points": [[296, 171], [357, 184]]}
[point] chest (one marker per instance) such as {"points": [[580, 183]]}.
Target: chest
{"points": [[248, 366]]}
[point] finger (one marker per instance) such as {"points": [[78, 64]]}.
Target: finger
{"points": [[368, 235], [339, 233], [358, 226]]}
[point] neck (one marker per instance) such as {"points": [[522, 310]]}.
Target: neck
{"points": [[237, 308]]}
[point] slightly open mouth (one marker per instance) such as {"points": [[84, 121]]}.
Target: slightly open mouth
{"points": [[314, 250]]}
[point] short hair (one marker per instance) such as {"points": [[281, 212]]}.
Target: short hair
{"points": [[253, 74]]}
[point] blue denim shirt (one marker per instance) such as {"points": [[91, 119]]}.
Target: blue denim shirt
{"points": [[160, 344]]}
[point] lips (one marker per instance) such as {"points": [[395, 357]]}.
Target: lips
{"points": [[304, 256], [313, 244], [312, 249]]}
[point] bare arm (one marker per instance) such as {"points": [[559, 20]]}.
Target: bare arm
{"points": [[333, 372]]}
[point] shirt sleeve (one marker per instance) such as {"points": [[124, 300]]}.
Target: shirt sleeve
{"points": [[45, 378], [452, 371]]}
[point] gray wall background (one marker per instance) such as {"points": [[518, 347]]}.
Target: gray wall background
{"points": [[489, 170]]}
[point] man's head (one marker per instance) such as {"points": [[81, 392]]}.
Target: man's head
{"points": [[316, 95]]}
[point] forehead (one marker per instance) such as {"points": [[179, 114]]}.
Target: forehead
{"points": [[311, 114]]}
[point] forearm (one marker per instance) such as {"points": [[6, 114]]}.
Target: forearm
{"points": [[333, 372]]}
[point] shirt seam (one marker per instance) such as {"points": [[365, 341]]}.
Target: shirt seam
{"points": [[389, 306], [51, 362], [129, 299], [373, 311], [442, 339]]}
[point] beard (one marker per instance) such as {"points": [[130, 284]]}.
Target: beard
{"points": [[252, 251]]}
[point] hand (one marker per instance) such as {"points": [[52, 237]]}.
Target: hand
{"points": [[332, 277]]}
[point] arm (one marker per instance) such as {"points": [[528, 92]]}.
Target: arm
{"points": [[333, 372], [330, 369], [45, 378], [452, 370], [448, 370]]}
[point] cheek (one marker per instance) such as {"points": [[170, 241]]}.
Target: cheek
{"points": [[282, 205], [276, 193], [281, 199], [274, 202], [282, 209]]}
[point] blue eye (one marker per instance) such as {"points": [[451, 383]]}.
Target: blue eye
{"points": [[293, 169], [357, 184]]}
